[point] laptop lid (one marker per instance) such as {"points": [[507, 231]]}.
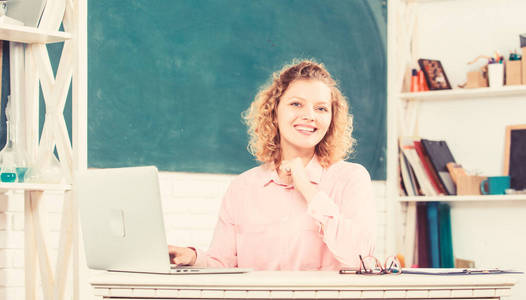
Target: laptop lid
{"points": [[121, 219]]}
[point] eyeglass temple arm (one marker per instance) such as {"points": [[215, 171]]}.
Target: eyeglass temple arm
{"points": [[363, 264]]}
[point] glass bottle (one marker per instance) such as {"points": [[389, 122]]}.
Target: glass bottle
{"points": [[13, 164], [13, 159]]}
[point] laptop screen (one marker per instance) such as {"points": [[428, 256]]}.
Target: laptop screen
{"points": [[122, 220]]}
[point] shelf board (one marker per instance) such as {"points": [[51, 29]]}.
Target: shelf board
{"points": [[31, 35], [470, 198], [33, 187], [505, 91]]}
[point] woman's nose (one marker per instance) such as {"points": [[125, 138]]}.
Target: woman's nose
{"points": [[308, 114]]}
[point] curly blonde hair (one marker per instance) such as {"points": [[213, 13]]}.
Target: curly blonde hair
{"points": [[261, 116]]}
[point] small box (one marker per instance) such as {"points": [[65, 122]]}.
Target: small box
{"points": [[477, 79], [469, 185], [513, 72], [523, 65]]}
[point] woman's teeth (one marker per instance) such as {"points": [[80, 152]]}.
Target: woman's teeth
{"points": [[310, 129]]}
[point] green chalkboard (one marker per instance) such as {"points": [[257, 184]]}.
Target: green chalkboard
{"points": [[169, 79]]}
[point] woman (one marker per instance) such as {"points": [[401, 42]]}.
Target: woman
{"points": [[304, 208]]}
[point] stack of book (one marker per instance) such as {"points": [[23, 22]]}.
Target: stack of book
{"points": [[423, 172]]}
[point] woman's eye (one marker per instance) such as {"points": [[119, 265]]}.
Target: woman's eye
{"points": [[297, 104], [323, 109]]}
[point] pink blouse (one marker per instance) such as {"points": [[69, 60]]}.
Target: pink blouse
{"points": [[265, 224]]}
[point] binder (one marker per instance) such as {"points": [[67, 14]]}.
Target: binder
{"points": [[434, 248], [422, 236], [447, 260]]}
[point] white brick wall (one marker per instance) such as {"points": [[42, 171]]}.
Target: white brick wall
{"points": [[11, 246], [190, 204]]}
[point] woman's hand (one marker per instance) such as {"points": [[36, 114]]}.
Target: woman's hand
{"points": [[295, 169], [182, 255]]}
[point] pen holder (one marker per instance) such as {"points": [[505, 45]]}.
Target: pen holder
{"points": [[496, 74]]}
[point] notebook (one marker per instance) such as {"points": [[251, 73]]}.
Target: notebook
{"points": [[122, 223]]}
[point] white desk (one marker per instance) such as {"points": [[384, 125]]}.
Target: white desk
{"points": [[300, 285]]}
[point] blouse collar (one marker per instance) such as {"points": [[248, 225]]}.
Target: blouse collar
{"points": [[314, 171]]}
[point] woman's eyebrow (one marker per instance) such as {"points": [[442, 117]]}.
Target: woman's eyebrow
{"points": [[317, 102], [297, 97]]}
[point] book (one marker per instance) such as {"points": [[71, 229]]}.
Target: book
{"points": [[412, 177], [439, 155], [433, 177], [408, 148], [407, 181]]}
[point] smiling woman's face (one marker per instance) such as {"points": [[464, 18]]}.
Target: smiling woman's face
{"points": [[304, 115]]}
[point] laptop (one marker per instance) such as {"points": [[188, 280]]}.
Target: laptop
{"points": [[122, 223]]}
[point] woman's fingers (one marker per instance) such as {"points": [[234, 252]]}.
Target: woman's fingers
{"points": [[181, 255], [290, 167], [285, 167]]}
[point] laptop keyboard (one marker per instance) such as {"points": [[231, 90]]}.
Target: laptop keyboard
{"points": [[181, 269]]}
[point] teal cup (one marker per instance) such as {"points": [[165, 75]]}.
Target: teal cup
{"points": [[495, 185]]}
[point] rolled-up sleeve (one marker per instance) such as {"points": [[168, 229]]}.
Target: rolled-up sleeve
{"points": [[222, 252], [348, 219]]}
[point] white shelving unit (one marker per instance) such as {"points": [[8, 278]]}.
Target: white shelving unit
{"points": [[38, 74], [488, 229]]}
